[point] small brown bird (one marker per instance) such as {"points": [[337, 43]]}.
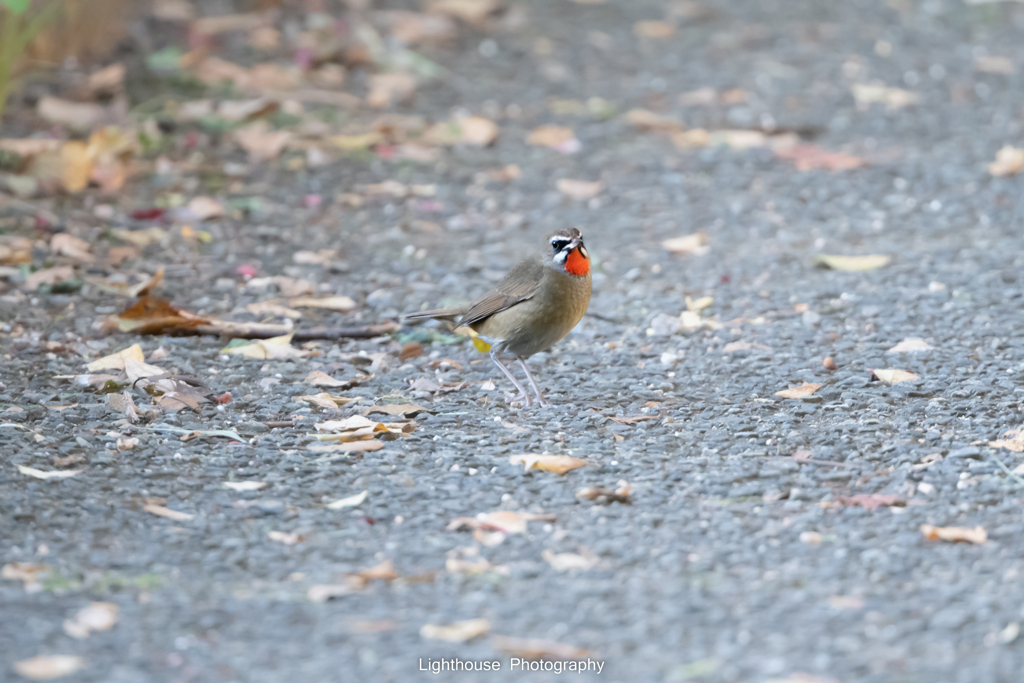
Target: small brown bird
{"points": [[534, 306]]}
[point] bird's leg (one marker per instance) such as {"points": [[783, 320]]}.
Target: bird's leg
{"points": [[524, 397], [533, 382]]}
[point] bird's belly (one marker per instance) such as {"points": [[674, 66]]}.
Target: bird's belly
{"points": [[532, 326]]}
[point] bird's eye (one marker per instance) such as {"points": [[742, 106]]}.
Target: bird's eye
{"points": [[559, 245]]}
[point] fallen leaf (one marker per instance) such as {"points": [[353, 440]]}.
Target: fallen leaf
{"points": [[49, 667], [385, 570], [893, 98], [456, 632], [354, 422], [81, 116], [53, 474], [141, 238], [350, 502], [872, 501], [559, 138], [402, 410], [63, 244], [204, 208], [473, 12], [810, 157], [126, 444], [559, 464], [261, 141], [911, 345], [601, 494], [341, 304], [954, 533], [659, 30], [894, 376], [245, 485], [648, 120], [29, 573], [1009, 160], [153, 315], [634, 419], [351, 447], [328, 401], [579, 189], [386, 89], [97, 616], [733, 347], [281, 537], [162, 511], [993, 64], [1015, 443], [696, 244], [802, 391], [124, 404], [853, 263], [468, 130], [108, 80], [115, 361], [536, 648], [565, 561], [49, 276], [505, 521], [263, 349]]}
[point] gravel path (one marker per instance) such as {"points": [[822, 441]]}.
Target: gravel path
{"points": [[740, 555]]}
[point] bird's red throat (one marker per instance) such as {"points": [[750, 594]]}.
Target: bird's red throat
{"points": [[576, 263]]}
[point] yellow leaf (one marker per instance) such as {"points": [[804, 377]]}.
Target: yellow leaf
{"points": [[116, 361], [559, 464], [275, 347], [853, 263], [894, 376], [802, 391]]}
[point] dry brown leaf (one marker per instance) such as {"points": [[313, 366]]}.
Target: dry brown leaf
{"points": [[601, 494], [49, 667], [802, 391], [63, 244], [204, 208], [97, 616], [565, 561], [126, 444], [579, 189], [634, 419], [893, 98], [262, 349], [993, 64], [473, 12], [153, 315], [49, 276], [872, 501], [894, 376], [954, 533], [659, 30], [115, 361], [261, 141], [341, 304], [385, 570], [911, 345], [387, 89], [326, 400], [559, 138], [1015, 443], [402, 410], [559, 464], [853, 263], [648, 120], [536, 648], [162, 511], [810, 157], [456, 632], [108, 80], [1009, 160], [696, 244]]}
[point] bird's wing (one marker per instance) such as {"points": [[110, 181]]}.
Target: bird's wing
{"points": [[521, 283]]}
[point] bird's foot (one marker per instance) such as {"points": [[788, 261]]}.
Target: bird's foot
{"points": [[523, 400]]}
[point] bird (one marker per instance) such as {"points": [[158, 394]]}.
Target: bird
{"points": [[535, 305]]}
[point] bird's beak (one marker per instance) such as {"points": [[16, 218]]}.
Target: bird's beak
{"points": [[573, 245]]}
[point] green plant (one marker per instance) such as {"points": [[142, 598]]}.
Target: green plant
{"points": [[19, 28]]}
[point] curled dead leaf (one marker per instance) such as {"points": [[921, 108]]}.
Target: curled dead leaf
{"points": [[894, 376], [559, 464], [803, 391], [954, 533]]}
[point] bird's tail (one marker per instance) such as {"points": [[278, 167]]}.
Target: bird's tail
{"points": [[449, 315]]}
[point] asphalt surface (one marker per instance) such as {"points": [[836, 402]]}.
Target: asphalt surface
{"points": [[733, 561]]}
